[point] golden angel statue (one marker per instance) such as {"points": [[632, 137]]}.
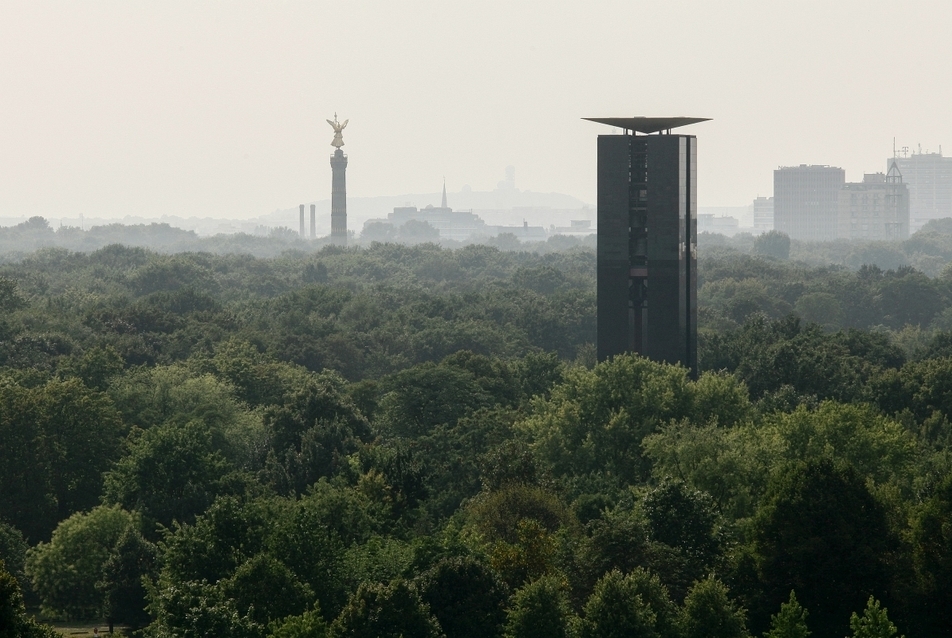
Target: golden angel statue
{"points": [[338, 138]]}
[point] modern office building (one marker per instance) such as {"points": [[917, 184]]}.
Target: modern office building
{"points": [[647, 240], [875, 209], [763, 209], [928, 176], [806, 201]]}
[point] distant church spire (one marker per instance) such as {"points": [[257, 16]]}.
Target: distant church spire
{"points": [[444, 193]]}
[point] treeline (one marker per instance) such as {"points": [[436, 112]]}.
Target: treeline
{"points": [[928, 250], [361, 312], [733, 287], [23, 239], [416, 441]]}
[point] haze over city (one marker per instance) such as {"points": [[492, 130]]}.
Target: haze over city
{"points": [[112, 109]]}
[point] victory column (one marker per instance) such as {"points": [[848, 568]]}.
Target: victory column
{"points": [[338, 185]]}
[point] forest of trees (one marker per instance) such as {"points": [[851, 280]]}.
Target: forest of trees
{"points": [[417, 440]]}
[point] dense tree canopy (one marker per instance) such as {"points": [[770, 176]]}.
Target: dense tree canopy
{"points": [[417, 439]]}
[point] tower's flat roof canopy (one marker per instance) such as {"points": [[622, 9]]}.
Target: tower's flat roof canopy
{"points": [[647, 124]]}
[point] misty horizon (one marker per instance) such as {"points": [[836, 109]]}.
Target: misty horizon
{"points": [[218, 110]]}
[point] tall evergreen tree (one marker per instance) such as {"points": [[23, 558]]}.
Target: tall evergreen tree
{"points": [[790, 622]]}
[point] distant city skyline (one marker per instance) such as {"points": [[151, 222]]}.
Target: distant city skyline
{"points": [[499, 206], [178, 108]]}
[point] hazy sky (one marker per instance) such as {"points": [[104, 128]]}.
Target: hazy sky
{"points": [[112, 108]]}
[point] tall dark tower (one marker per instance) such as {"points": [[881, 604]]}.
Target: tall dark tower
{"points": [[338, 185], [313, 221], [647, 240]]}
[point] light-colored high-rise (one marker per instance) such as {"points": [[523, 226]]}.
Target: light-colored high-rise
{"points": [[806, 199], [763, 214], [929, 179]]}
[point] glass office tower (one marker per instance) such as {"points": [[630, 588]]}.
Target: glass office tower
{"points": [[647, 241]]}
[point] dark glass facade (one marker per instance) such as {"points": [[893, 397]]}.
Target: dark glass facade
{"points": [[647, 247]]}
